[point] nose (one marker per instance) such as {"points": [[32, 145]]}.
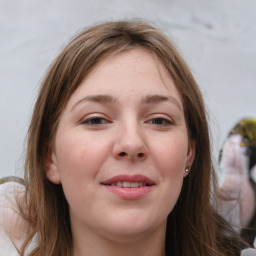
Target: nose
{"points": [[130, 144]]}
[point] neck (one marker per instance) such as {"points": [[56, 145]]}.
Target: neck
{"points": [[91, 244]]}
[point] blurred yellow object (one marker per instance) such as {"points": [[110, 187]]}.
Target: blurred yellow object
{"points": [[247, 129]]}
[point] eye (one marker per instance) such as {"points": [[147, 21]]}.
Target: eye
{"points": [[160, 121], [95, 121]]}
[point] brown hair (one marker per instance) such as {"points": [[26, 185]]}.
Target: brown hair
{"points": [[193, 226]]}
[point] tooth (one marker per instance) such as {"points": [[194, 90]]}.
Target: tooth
{"points": [[140, 184], [134, 184], [119, 184], [126, 184], [113, 184]]}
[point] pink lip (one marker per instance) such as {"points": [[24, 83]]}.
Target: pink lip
{"points": [[129, 193], [130, 178]]}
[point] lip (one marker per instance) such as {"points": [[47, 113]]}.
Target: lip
{"points": [[129, 178], [129, 193]]}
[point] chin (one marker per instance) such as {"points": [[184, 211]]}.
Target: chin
{"points": [[130, 227]]}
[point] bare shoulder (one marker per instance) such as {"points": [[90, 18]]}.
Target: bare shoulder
{"points": [[13, 228]]}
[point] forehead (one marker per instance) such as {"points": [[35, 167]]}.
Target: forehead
{"points": [[136, 61], [133, 72]]}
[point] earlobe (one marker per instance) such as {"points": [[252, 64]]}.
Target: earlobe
{"points": [[190, 157], [52, 172], [186, 172]]}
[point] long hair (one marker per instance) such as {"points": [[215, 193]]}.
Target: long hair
{"points": [[193, 226]]}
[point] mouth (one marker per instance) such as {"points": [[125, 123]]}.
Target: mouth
{"points": [[129, 187], [129, 181], [127, 184]]}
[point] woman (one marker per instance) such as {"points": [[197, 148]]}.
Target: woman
{"points": [[118, 155]]}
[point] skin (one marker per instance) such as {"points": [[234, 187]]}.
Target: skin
{"points": [[98, 139]]}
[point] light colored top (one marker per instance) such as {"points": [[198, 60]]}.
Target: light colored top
{"points": [[13, 227]]}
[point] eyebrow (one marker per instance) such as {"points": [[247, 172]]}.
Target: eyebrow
{"points": [[96, 98], [152, 99], [149, 99]]}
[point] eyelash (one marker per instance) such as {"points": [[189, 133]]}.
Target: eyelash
{"points": [[161, 121], [95, 121], [98, 120]]}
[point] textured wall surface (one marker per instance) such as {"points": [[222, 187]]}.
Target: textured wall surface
{"points": [[217, 38]]}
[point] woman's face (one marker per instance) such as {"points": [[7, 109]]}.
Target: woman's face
{"points": [[122, 147]]}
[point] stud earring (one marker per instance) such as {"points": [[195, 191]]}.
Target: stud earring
{"points": [[187, 169]]}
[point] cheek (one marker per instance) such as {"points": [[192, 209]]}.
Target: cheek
{"points": [[78, 164], [171, 156], [79, 155], [170, 160]]}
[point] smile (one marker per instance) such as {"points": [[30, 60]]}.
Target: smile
{"points": [[127, 184], [129, 181], [129, 187]]}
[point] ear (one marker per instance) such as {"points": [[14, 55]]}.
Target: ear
{"points": [[190, 156], [52, 171]]}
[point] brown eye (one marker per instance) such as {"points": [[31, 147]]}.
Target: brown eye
{"points": [[95, 121], [160, 121]]}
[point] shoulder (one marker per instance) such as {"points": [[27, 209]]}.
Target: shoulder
{"points": [[248, 252], [12, 226]]}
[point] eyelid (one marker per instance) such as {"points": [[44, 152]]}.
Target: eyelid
{"points": [[92, 116], [169, 120]]}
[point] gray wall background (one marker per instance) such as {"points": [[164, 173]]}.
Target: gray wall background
{"points": [[217, 38]]}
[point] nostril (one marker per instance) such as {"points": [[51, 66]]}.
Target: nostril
{"points": [[122, 154], [131, 156], [140, 155]]}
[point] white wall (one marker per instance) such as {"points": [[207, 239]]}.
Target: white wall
{"points": [[217, 38]]}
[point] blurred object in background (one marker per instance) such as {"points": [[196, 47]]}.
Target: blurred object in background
{"points": [[237, 173]]}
